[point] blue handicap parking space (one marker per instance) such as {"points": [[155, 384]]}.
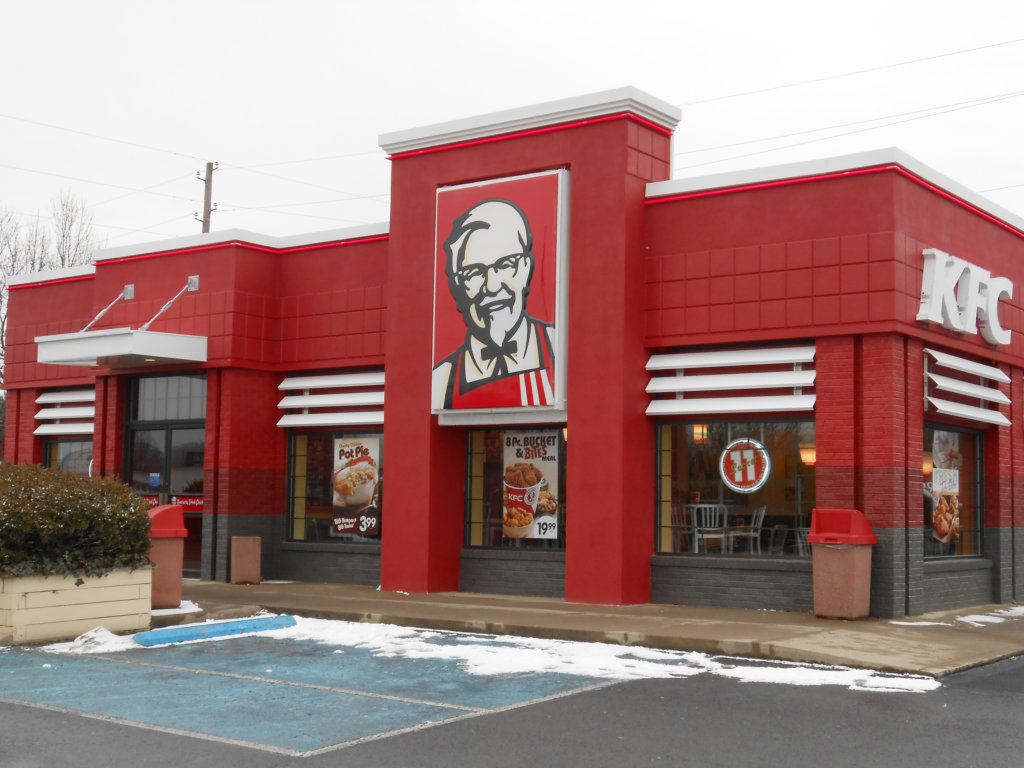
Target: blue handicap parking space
{"points": [[288, 695]]}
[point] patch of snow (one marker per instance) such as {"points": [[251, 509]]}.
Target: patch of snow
{"points": [[186, 606], [481, 654], [1014, 612], [920, 624], [99, 640], [978, 619]]}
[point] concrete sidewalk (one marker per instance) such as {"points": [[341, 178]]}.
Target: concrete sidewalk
{"points": [[935, 644]]}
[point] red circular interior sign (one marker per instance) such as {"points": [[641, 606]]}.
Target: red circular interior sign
{"points": [[745, 465]]}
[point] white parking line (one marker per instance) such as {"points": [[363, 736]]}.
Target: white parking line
{"points": [[295, 684], [157, 728]]}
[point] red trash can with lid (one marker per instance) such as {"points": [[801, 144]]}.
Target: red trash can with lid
{"points": [[167, 533], [841, 541]]}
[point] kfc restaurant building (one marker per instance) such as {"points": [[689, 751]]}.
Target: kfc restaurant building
{"points": [[580, 378]]}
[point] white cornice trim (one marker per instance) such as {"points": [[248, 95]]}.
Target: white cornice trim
{"points": [[51, 275], [837, 164], [226, 236], [601, 104]]}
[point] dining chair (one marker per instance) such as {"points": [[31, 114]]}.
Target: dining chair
{"points": [[708, 524], [751, 533], [802, 547]]}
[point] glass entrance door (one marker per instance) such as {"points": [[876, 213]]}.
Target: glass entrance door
{"points": [[165, 438]]}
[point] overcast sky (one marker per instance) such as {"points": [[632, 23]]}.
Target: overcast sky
{"points": [[121, 103]]}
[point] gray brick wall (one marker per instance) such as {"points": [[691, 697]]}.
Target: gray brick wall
{"points": [[998, 546], [332, 563], [279, 559], [781, 584], [513, 572], [957, 583], [889, 571], [1018, 564]]}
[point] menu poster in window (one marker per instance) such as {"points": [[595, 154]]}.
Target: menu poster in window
{"points": [[356, 481], [947, 459], [530, 492]]}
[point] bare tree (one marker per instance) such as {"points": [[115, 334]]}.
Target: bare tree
{"points": [[72, 231]]}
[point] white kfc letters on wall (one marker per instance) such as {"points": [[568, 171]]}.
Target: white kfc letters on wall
{"points": [[963, 297]]}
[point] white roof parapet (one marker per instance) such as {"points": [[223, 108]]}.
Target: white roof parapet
{"points": [[593, 105], [226, 236], [837, 165], [52, 275]]}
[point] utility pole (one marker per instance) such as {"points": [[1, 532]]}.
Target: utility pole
{"points": [[207, 194]]}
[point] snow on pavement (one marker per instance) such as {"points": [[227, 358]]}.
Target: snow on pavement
{"points": [[483, 654]]}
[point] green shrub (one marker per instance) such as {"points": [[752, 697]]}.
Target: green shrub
{"points": [[54, 522]]}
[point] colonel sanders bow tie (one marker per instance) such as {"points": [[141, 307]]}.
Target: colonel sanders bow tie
{"points": [[498, 354]]}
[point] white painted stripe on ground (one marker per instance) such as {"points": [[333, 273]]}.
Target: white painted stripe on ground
{"points": [[481, 713], [294, 684], [152, 727]]}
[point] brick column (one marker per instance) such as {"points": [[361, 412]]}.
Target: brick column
{"points": [[244, 476], [835, 422], [889, 420], [998, 532]]}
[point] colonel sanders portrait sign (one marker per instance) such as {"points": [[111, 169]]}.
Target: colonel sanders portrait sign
{"points": [[497, 282]]}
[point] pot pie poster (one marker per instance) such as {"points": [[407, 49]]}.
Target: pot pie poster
{"points": [[530, 485], [496, 338], [356, 486]]}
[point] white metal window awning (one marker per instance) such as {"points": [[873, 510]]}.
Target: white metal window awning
{"points": [[771, 371], [66, 412], [123, 347], [333, 400], [975, 388], [120, 348]]}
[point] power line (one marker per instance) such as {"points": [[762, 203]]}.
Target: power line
{"points": [[848, 74], [308, 160], [237, 208], [143, 190], [1000, 189], [98, 136], [850, 133], [99, 225], [930, 110], [150, 229], [350, 196], [91, 181]]}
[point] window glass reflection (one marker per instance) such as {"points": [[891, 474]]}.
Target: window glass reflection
{"points": [[736, 487]]}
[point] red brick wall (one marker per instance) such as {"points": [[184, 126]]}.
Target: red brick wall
{"points": [[245, 456], [65, 307], [20, 445], [301, 309], [835, 422], [108, 434], [609, 164], [839, 261]]}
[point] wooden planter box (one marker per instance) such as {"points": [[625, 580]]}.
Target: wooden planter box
{"points": [[37, 609]]}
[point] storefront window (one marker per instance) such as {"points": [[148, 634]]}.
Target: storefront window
{"points": [[952, 492], [336, 486], [735, 487], [170, 398], [515, 493], [69, 455]]}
